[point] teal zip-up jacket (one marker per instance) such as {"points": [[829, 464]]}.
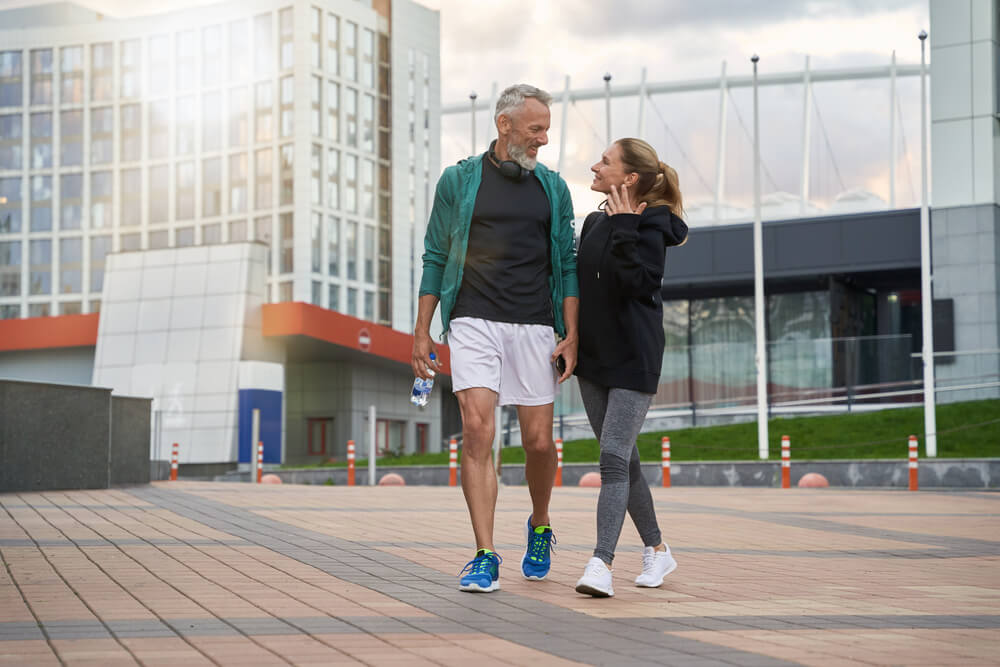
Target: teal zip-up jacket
{"points": [[447, 237]]}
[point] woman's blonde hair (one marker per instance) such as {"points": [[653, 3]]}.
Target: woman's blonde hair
{"points": [[658, 184]]}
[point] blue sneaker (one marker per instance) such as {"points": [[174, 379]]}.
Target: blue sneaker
{"points": [[537, 560], [483, 573]]}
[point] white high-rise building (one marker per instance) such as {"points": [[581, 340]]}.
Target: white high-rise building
{"points": [[309, 125]]}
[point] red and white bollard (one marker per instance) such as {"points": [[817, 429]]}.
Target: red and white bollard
{"points": [[260, 460], [914, 486], [559, 461], [665, 445], [786, 462], [453, 462], [350, 463], [173, 464]]}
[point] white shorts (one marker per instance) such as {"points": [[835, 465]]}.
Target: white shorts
{"points": [[514, 360]]}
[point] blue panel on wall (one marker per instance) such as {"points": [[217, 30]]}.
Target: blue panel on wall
{"points": [[269, 404]]}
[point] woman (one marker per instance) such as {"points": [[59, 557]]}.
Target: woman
{"points": [[620, 266]]}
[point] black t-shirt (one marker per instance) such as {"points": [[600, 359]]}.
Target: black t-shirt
{"points": [[508, 261]]}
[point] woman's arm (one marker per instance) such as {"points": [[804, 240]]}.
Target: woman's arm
{"points": [[638, 253]]}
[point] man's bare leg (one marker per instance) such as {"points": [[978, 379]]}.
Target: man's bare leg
{"points": [[479, 481], [540, 458]]}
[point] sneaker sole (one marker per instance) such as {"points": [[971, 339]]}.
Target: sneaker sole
{"points": [[593, 591], [661, 579], [527, 536], [476, 588]]}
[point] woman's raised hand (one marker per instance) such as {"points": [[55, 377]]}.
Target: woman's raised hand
{"points": [[618, 202]]}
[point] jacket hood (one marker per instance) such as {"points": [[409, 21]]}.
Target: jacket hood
{"points": [[674, 229]]}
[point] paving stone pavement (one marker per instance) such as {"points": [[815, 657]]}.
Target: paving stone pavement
{"points": [[187, 573]]}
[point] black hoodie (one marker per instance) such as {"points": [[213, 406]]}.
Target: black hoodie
{"points": [[620, 265]]}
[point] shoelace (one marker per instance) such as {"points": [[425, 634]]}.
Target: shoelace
{"points": [[594, 569], [647, 562], [481, 564], [539, 545]]}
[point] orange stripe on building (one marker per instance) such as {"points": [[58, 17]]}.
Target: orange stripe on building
{"points": [[41, 333], [303, 319]]}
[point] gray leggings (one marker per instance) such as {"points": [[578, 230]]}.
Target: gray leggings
{"points": [[616, 415]]}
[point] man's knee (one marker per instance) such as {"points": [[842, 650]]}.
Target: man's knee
{"points": [[614, 468], [537, 444]]}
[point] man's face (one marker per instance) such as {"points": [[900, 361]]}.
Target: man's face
{"points": [[527, 131]]}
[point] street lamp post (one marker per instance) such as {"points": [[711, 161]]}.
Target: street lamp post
{"points": [[758, 280], [926, 279]]}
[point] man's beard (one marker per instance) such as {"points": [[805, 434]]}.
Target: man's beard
{"points": [[519, 154]]}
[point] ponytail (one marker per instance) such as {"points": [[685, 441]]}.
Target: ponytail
{"points": [[658, 184]]}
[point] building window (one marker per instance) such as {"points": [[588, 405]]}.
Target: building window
{"points": [[332, 178], [238, 183], [351, 116], [211, 187], [350, 64], [352, 301], [159, 193], [101, 72], [351, 183], [316, 177], [131, 198], [316, 242], [263, 171], [41, 140], [370, 306], [368, 123], [131, 128], [70, 266], [263, 46], [184, 125], [264, 113], [159, 129], [315, 44], [211, 55], [9, 311], [41, 204], [238, 230], [102, 127], [11, 74], [41, 76], [211, 234], [286, 228], [333, 246], [317, 293], [369, 254], [262, 232], [239, 51], [368, 188], [287, 174], [332, 44], [158, 238], [159, 63], [131, 69], [71, 138], [185, 191], [10, 141], [333, 111], [40, 267], [287, 106], [184, 237], [239, 117], [70, 201], [70, 308], [334, 294], [316, 108], [100, 199], [71, 75], [368, 58], [285, 291], [38, 310], [185, 60], [352, 251], [131, 242], [211, 126], [10, 268], [287, 29]]}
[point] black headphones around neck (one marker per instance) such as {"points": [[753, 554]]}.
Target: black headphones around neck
{"points": [[508, 168]]}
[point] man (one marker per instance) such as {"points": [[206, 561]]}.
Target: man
{"points": [[499, 258]]}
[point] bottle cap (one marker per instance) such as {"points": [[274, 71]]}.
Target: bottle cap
{"points": [[433, 356]]}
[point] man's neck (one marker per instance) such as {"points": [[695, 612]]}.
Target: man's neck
{"points": [[501, 151]]}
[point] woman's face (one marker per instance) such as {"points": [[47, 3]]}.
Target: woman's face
{"points": [[609, 170]]}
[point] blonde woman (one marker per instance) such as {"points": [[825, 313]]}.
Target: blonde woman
{"points": [[620, 265]]}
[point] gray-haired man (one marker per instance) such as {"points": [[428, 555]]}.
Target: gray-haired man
{"points": [[499, 258]]}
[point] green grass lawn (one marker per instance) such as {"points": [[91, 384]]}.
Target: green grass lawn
{"points": [[965, 430]]}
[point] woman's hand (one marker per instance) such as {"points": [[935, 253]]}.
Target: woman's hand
{"points": [[618, 202]]}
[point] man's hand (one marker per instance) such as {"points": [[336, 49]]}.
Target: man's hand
{"points": [[423, 348], [566, 348]]}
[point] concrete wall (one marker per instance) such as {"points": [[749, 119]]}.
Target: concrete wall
{"points": [[70, 437]]}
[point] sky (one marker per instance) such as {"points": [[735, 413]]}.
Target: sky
{"points": [[543, 41]]}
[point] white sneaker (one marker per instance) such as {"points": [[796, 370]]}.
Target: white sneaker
{"points": [[596, 579], [655, 566]]}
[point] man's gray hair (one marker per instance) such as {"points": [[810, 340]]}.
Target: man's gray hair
{"points": [[514, 96]]}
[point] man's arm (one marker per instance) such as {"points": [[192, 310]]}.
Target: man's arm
{"points": [[567, 347], [423, 344]]}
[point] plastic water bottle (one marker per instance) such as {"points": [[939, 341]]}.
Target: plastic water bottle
{"points": [[422, 388]]}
